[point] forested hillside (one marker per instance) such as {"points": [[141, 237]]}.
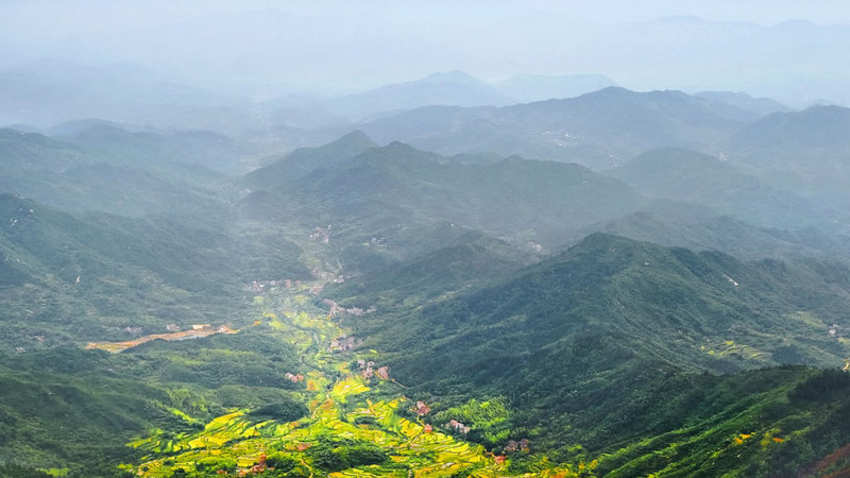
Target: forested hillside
{"points": [[617, 284]]}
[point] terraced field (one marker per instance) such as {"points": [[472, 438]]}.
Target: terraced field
{"points": [[358, 423]]}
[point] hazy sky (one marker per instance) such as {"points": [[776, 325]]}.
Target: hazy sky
{"points": [[343, 45]]}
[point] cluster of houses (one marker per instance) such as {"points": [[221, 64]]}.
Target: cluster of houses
{"points": [[535, 246], [294, 378], [376, 242], [368, 370], [457, 426], [324, 278], [344, 343], [335, 309], [260, 286], [321, 234], [515, 446], [13, 221], [421, 409]]}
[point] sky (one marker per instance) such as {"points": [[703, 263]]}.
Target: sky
{"points": [[332, 47]]}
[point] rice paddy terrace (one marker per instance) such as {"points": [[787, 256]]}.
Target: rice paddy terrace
{"points": [[356, 421]]}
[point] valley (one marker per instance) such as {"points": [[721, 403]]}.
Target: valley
{"points": [[208, 271], [357, 422]]}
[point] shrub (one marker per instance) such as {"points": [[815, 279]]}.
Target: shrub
{"points": [[285, 411]]}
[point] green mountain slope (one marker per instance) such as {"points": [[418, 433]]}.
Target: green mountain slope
{"points": [[465, 262], [32, 151], [303, 161], [397, 184], [107, 277], [675, 303], [154, 150], [77, 176], [612, 358], [73, 410], [585, 345]]}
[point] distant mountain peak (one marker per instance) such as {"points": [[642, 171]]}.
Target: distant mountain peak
{"points": [[618, 92], [397, 149], [597, 241], [673, 152], [827, 109], [77, 127], [354, 139], [303, 161], [453, 76], [528, 88], [444, 88]]}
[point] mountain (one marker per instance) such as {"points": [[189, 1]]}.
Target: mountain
{"points": [[71, 279], [75, 410], [450, 88], [720, 185], [622, 289], [303, 161], [370, 308], [528, 88], [756, 106], [398, 184], [818, 127], [600, 129], [32, 151], [678, 224], [84, 174], [463, 262], [615, 334], [163, 150], [108, 188], [805, 151]]}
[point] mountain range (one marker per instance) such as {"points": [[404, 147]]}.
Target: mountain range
{"points": [[620, 284]]}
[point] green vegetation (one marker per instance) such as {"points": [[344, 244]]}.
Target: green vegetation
{"points": [[604, 345], [101, 277], [397, 184], [356, 423], [287, 411], [385, 311], [99, 166]]}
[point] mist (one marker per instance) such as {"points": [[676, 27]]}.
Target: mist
{"points": [[262, 49]]}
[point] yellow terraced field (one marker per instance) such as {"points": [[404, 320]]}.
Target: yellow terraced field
{"points": [[334, 404]]}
